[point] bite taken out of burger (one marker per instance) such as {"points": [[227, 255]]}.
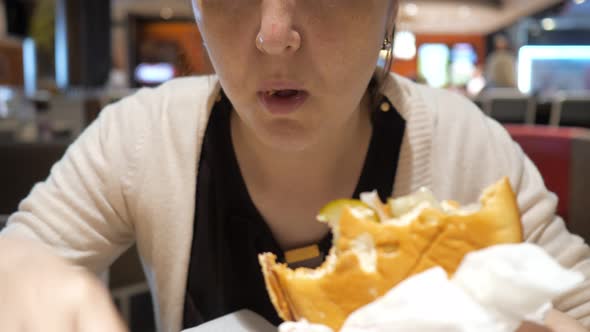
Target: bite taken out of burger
{"points": [[377, 245]]}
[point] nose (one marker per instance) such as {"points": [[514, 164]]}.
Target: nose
{"points": [[277, 35]]}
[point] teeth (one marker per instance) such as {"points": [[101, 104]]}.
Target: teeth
{"points": [[271, 92]]}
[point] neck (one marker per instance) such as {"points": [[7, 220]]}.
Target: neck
{"points": [[328, 167]]}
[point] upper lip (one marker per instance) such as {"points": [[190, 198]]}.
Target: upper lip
{"points": [[280, 85]]}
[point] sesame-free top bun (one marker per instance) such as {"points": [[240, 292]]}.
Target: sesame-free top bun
{"points": [[368, 258]]}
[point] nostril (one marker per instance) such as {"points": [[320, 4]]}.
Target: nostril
{"points": [[277, 39]]}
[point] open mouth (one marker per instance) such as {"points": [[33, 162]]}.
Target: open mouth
{"points": [[282, 93], [283, 101]]}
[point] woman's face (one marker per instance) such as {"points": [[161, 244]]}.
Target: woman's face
{"points": [[295, 70]]}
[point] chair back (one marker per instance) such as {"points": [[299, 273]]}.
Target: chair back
{"points": [[571, 109], [3, 220], [509, 106]]}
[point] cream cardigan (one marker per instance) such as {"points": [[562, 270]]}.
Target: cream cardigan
{"points": [[131, 177]]}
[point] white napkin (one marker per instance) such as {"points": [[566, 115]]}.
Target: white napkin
{"points": [[493, 290]]}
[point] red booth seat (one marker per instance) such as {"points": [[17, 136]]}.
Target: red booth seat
{"points": [[562, 155]]}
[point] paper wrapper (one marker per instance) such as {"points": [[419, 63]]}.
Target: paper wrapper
{"points": [[494, 290]]}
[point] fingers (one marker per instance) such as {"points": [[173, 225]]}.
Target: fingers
{"points": [[100, 317], [532, 327], [42, 292], [561, 322], [97, 312]]}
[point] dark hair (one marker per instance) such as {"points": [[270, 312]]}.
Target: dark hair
{"points": [[374, 91]]}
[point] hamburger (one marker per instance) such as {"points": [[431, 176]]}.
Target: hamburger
{"points": [[377, 245]]}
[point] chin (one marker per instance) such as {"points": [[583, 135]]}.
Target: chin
{"points": [[287, 135]]}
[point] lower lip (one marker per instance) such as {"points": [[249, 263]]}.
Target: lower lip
{"points": [[282, 105]]}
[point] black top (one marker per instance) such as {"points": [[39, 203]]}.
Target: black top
{"points": [[224, 275]]}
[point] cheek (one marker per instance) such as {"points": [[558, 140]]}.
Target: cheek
{"points": [[348, 38], [225, 41], [343, 58]]}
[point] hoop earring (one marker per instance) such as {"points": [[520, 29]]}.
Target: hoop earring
{"points": [[386, 56], [387, 43]]}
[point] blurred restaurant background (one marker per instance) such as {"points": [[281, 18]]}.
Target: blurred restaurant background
{"points": [[526, 63]]}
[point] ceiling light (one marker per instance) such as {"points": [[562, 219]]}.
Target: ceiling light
{"points": [[548, 24], [411, 9], [579, 2]]}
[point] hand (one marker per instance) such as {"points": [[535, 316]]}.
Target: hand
{"points": [[554, 321], [532, 327], [41, 292], [560, 322]]}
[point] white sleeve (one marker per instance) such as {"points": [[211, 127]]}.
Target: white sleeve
{"points": [[471, 152], [544, 228], [82, 210]]}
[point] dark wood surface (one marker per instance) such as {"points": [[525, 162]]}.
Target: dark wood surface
{"points": [[21, 166]]}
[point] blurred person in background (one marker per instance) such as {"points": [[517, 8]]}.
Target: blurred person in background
{"points": [[205, 173], [501, 65]]}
